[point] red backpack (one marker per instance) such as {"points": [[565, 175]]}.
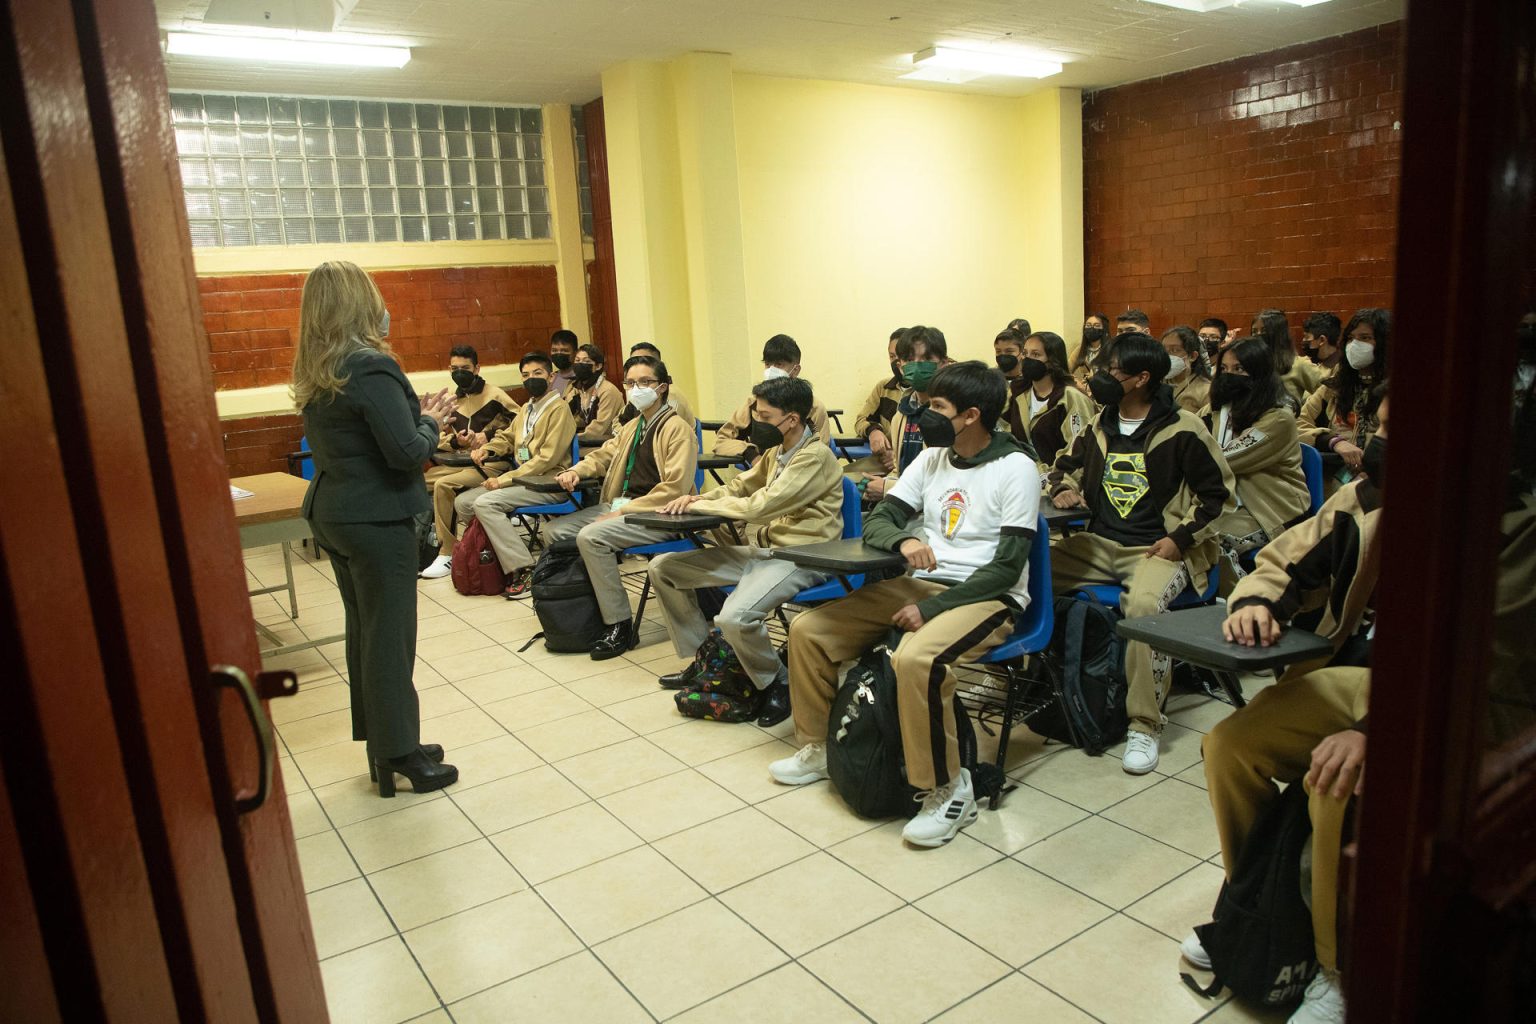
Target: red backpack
{"points": [[475, 569]]}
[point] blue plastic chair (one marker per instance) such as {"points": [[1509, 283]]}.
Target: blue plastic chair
{"points": [[853, 526], [1109, 594], [1312, 469]]}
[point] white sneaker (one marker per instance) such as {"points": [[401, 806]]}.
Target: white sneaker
{"points": [[945, 812], [441, 566], [1195, 953], [809, 764], [1324, 1001], [1140, 753]]}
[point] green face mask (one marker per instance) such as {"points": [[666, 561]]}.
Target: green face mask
{"points": [[918, 375]]}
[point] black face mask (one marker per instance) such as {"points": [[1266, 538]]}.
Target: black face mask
{"points": [[1007, 362], [561, 361], [937, 430], [896, 368], [764, 435], [1035, 369], [1093, 335], [586, 373], [1373, 460], [1105, 389], [537, 387], [464, 379], [1228, 388]]}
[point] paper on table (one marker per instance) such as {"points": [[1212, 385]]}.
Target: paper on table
{"points": [[240, 492]]}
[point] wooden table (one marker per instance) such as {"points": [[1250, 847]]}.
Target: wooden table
{"points": [[272, 515]]}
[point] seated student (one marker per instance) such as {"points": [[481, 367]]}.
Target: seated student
{"points": [[1340, 416], [1257, 435], [873, 422], [562, 352], [647, 465], [674, 398], [793, 495], [1092, 353], [1020, 326], [1320, 340], [1050, 414], [1155, 484], [1298, 377], [539, 439], [781, 358], [481, 410], [1213, 335], [963, 515], [1133, 321], [1189, 376], [1309, 726], [922, 352], [594, 400]]}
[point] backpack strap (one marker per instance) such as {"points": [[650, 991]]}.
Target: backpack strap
{"points": [[1194, 986], [1072, 664], [537, 636]]}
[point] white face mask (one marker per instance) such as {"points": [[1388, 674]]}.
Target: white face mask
{"points": [[774, 373], [642, 398], [1176, 366], [384, 325], [1360, 354]]}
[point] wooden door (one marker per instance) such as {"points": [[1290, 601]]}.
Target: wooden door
{"points": [[151, 898], [603, 286]]}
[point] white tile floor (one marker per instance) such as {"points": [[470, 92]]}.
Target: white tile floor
{"points": [[604, 860]]}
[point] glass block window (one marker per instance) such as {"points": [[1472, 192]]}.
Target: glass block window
{"points": [[280, 170], [583, 174]]}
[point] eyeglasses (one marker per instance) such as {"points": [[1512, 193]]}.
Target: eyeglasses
{"points": [[648, 382]]}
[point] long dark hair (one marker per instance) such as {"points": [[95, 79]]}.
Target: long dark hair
{"points": [[1082, 348], [1346, 380], [1193, 350], [1055, 356], [1276, 330], [1254, 356]]}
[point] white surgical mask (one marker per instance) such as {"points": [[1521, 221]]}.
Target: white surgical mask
{"points": [[774, 373], [642, 398], [1176, 366], [1360, 354], [384, 325]]}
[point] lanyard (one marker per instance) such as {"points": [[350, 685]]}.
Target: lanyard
{"points": [[634, 450], [535, 410]]}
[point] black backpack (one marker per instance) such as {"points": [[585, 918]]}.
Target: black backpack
{"points": [[564, 601], [1260, 939], [427, 546], [1091, 655], [864, 753]]}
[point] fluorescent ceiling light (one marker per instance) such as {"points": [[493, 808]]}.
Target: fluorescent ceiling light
{"points": [[284, 50], [978, 63]]}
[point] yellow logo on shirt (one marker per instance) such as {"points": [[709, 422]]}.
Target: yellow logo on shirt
{"points": [[952, 512], [1125, 480]]}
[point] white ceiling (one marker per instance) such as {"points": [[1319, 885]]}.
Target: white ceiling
{"points": [[550, 51]]}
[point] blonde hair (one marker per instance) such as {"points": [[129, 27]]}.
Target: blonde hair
{"points": [[340, 313]]}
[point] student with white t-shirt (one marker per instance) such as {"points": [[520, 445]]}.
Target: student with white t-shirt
{"points": [[964, 514]]}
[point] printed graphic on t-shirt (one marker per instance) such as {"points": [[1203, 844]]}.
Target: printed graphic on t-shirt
{"points": [[1125, 480], [952, 512]]}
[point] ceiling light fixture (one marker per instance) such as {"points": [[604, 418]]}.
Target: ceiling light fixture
{"points": [[285, 50], [932, 63]]}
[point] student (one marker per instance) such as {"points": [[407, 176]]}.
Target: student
{"points": [[874, 420], [674, 398], [1309, 726], [781, 358], [1257, 435], [1213, 334], [1154, 484], [649, 463], [1345, 404], [1020, 326], [1188, 376], [922, 351], [1320, 340], [963, 515], [1133, 321], [594, 401], [481, 410], [792, 495], [1008, 354], [1092, 354], [562, 352], [1299, 378], [539, 439], [1051, 413]]}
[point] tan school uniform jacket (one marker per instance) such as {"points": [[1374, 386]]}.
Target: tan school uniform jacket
{"points": [[1187, 476], [879, 408], [665, 462], [487, 411], [1056, 427], [731, 439], [799, 502], [1193, 393], [1266, 460], [1301, 380], [596, 409], [1323, 424], [548, 444], [1090, 366]]}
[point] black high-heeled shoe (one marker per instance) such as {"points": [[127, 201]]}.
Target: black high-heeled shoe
{"points": [[425, 774], [432, 750]]}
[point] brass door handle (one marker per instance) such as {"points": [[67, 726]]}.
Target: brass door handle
{"points": [[267, 685]]}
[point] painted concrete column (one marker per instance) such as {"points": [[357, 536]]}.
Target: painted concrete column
{"points": [[565, 205]]}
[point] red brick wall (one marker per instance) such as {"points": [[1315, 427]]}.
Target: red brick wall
{"points": [[1265, 181], [258, 444]]}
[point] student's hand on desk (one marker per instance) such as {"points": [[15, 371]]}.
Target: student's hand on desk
{"points": [[1338, 762], [677, 506], [1350, 453], [874, 485], [1165, 549], [917, 554], [568, 480], [492, 483], [477, 456], [1068, 499], [1243, 625], [908, 618]]}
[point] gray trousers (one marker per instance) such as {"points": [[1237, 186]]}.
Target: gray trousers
{"points": [[600, 544], [762, 585], [493, 509]]}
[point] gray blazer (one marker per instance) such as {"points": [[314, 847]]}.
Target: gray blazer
{"points": [[370, 442]]}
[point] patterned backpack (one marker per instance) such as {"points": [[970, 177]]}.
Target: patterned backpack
{"points": [[722, 692]]}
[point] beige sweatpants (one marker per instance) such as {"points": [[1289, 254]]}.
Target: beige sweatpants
{"points": [[1271, 740], [822, 639]]}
